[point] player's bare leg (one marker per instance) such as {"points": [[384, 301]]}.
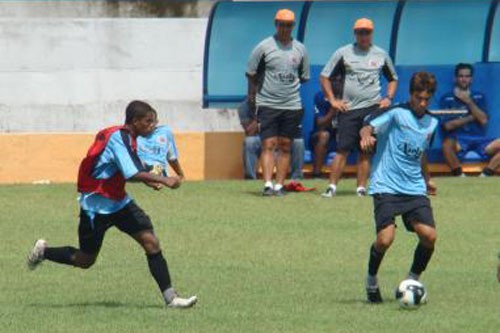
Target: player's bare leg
{"points": [[282, 163], [493, 149], [320, 149], [450, 156], [66, 255], [267, 161], [159, 270], [384, 240], [338, 166], [424, 250], [363, 173]]}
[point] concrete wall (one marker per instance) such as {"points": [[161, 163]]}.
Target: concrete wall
{"points": [[65, 75]]}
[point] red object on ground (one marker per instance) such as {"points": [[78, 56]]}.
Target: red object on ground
{"points": [[294, 186]]}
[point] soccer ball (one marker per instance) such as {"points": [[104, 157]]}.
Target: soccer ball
{"points": [[411, 294]]}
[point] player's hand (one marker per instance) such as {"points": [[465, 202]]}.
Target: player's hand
{"points": [[252, 128], [367, 143], [431, 187], [385, 103], [172, 182], [463, 96], [155, 186], [339, 105]]}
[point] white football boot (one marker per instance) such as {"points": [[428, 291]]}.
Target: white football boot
{"points": [[35, 257]]}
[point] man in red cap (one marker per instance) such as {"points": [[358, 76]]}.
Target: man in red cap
{"points": [[276, 68], [359, 65]]}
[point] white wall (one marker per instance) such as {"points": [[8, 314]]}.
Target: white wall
{"points": [[78, 74]]}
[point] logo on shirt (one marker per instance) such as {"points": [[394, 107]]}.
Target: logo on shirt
{"points": [[161, 140], [373, 63], [293, 60], [410, 150]]}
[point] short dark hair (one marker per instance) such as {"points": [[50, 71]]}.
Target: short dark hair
{"points": [[461, 66], [137, 110], [423, 81]]}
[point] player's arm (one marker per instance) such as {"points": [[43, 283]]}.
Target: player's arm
{"points": [[304, 70], [476, 112], [368, 139], [255, 63], [176, 166], [154, 181], [332, 66], [452, 125], [131, 167], [431, 186], [375, 123], [326, 120], [390, 74]]}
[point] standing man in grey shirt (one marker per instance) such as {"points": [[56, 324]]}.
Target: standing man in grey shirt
{"points": [[359, 65], [276, 68]]}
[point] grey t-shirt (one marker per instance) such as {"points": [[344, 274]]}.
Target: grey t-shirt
{"points": [[360, 74], [280, 71]]}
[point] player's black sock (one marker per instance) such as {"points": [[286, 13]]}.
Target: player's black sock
{"points": [[457, 171], [159, 269], [62, 255], [375, 260], [421, 259], [488, 172]]}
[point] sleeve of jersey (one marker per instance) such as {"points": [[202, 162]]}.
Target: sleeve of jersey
{"points": [[254, 59], [305, 73], [172, 147], [125, 158], [331, 64], [389, 70], [382, 122]]}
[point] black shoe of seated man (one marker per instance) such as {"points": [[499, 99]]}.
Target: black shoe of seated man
{"points": [[268, 191], [373, 295]]}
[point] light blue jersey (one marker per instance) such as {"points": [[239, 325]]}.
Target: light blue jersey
{"points": [[402, 139], [157, 149], [118, 156]]}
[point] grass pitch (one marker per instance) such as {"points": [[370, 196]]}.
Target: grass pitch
{"points": [[293, 264]]}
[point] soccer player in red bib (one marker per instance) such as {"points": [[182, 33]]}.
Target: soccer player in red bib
{"points": [[110, 162]]}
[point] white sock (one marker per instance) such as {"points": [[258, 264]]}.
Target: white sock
{"points": [[360, 188], [278, 187], [268, 184], [333, 187]]}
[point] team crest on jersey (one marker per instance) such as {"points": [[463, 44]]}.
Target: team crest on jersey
{"points": [[293, 60], [161, 140], [373, 63]]}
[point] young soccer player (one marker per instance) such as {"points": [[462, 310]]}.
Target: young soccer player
{"points": [[399, 179], [158, 150], [110, 162]]}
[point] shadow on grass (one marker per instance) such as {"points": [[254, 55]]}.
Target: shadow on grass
{"points": [[101, 304]]}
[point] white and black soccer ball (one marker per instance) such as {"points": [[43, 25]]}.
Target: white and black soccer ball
{"points": [[411, 294]]}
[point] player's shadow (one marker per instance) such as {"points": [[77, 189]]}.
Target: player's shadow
{"points": [[101, 304]]}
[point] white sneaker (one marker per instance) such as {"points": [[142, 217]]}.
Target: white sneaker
{"points": [[361, 191], [463, 175], [35, 257], [182, 303], [329, 193]]}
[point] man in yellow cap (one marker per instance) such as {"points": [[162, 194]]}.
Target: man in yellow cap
{"points": [[276, 68], [359, 65]]}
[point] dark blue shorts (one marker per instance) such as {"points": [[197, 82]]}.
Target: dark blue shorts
{"points": [[412, 208]]}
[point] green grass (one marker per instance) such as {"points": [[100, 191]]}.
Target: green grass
{"points": [[293, 264]]}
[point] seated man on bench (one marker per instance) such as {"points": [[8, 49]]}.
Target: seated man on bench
{"points": [[466, 131], [323, 136]]}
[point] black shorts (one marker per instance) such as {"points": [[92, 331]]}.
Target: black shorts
{"points": [[276, 122], [412, 208], [349, 125], [131, 219]]}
